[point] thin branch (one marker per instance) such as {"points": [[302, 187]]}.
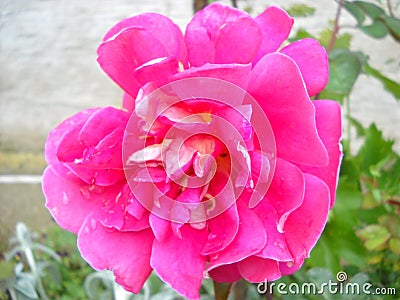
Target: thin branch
{"points": [[336, 27], [199, 5], [234, 3], [389, 5]]}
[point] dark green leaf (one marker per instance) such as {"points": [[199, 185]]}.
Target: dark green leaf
{"points": [[374, 149], [376, 30], [393, 25], [357, 125], [391, 86], [344, 68], [372, 10], [355, 10]]}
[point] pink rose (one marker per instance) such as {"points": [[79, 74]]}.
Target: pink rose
{"points": [[219, 164]]}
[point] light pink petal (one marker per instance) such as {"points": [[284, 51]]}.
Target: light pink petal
{"points": [[222, 34], [257, 269], [304, 226], [223, 230], [226, 273], [125, 253], [237, 74], [178, 262], [277, 85], [329, 126], [275, 26], [160, 27], [121, 55], [312, 60], [250, 239], [71, 201]]}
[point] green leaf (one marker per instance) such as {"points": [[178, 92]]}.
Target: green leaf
{"points": [[344, 68], [374, 149], [394, 245], [6, 270], [27, 288], [391, 86], [393, 25], [375, 236], [357, 125], [355, 10], [342, 40], [300, 10], [376, 30], [372, 10], [301, 34]]}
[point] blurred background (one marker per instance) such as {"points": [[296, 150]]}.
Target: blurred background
{"points": [[48, 72]]}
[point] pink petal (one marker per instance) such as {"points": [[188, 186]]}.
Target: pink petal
{"points": [[250, 239], [329, 126], [121, 55], [125, 253], [237, 74], [304, 226], [286, 191], [312, 60], [160, 27], [116, 214], [257, 269], [159, 226], [95, 129], [158, 71], [277, 85], [275, 26], [221, 235], [221, 34], [71, 201], [53, 140], [128, 102], [289, 268], [276, 247], [178, 262], [226, 273]]}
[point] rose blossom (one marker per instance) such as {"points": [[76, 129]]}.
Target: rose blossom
{"points": [[231, 175]]}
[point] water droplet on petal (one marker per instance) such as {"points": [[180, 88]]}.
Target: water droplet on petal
{"points": [[65, 199], [85, 193], [93, 224]]}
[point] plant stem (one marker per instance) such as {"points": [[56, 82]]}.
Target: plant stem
{"points": [[336, 27], [234, 3], [221, 290]]}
